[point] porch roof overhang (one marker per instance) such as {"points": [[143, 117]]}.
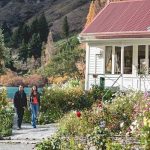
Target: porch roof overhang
{"points": [[107, 36]]}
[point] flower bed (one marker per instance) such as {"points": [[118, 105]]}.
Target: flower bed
{"points": [[106, 125]]}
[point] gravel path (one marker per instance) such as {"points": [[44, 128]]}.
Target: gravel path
{"points": [[16, 146], [27, 137]]}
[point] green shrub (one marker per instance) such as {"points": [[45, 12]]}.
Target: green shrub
{"points": [[59, 142], [98, 92], [70, 124], [55, 102], [45, 145], [27, 116], [53, 144], [50, 116], [121, 111], [114, 146], [3, 96], [99, 137], [145, 137], [6, 118], [6, 115]]}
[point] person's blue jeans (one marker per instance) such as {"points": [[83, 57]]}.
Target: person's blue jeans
{"points": [[34, 113]]}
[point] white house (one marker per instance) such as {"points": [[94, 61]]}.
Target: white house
{"points": [[118, 46]]}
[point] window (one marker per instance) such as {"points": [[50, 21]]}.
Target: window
{"points": [[128, 53], [108, 59], [141, 59], [117, 60]]}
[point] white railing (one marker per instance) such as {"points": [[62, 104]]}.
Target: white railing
{"points": [[124, 82], [111, 86]]}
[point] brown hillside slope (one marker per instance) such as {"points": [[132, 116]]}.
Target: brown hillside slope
{"points": [[15, 11]]}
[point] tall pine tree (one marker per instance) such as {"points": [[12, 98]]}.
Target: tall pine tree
{"points": [[25, 33], [23, 52], [43, 28], [35, 46], [6, 32], [34, 26], [15, 39], [17, 36], [65, 27], [2, 49], [4, 53]]}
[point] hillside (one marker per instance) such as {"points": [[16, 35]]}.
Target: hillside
{"points": [[16, 11]]}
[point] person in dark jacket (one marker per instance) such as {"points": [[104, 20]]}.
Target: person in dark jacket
{"points": [[20, 103], [34, 105]]}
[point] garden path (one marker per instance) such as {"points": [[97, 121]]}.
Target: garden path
{"points": [[27, 137]]}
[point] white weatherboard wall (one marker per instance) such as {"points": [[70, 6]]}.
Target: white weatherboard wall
{"points": [[95, 64]]}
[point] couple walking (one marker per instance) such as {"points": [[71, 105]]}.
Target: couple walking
{"points": [[20, 104]]}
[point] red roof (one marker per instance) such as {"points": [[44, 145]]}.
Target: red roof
{"points": [[125, 18]]}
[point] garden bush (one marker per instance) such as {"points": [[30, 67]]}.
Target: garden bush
{"points": [[140, 127], [119, 113], [6, 115], [3, 95], [72, 125], [27, 116], [55, 102], [98, 92], [57, 142]]}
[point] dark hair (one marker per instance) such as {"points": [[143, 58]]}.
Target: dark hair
{"points": [[21, 85], [33, 90]]}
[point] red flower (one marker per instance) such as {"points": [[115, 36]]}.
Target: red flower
{"points": [[78, 114]]}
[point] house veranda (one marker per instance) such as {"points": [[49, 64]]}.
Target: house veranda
{"points": [[118, 46]]}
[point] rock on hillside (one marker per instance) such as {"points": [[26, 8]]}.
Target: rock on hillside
{"points": [[16, 11]]}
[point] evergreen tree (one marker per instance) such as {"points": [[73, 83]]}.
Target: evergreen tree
{"points": [[23, 52], [34, 26], [15, 39], [35, 46], [65, 27], [20, 35], [2, 48], [5, 56], [43, 28], [17, 36], [6, 32], [25, 33]]}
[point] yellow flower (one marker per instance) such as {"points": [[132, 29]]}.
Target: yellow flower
{"points": [[146, 122]]}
